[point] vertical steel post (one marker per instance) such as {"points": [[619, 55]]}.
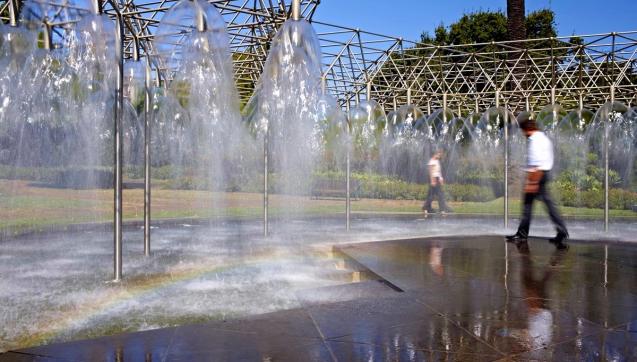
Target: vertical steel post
{"points": [[553, 95], [527, 104], [506, 166], [506, 156], [13, 12], [296, 9], [202, 24], [409, 95], [606, 158], [117, 195], [47, 38], [444, 107], [98, 8], [348, 200], [266, 152], [147, 135]]}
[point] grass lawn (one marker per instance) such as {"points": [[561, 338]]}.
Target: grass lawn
{"points": [[24, 206]]}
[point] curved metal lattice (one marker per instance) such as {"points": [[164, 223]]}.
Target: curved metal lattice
{"points": [[359, 64]]}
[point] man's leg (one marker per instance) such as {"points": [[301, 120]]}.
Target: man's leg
{"points": [[441, 199], [527, 209], [554, 214], [430, 194]]}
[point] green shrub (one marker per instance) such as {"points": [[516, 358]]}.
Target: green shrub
{"points": [[472, 193], [567, 194]]}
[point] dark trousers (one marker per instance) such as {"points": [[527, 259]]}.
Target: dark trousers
{"points": [[435, 191], [542, 195]]}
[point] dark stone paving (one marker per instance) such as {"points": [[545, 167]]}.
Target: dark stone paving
{"points": [[464, 299]]}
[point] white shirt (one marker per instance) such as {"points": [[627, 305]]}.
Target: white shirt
{"points": [[434, 168], [540, 154]]}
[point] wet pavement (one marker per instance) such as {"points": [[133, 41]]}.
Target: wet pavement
{"points": [[464, 298]]}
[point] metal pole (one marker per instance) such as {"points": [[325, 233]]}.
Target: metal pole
{"points": [[147, 135], [506, 166], [506, 156], [444, 107], [46, 38], [98, 8], [117, 227], [369, 91], [13, 13], [266, 151], [527, 104], [296, 9], [202, 25], [409, 95], [606, 158], [553, 95], [348, 206]]}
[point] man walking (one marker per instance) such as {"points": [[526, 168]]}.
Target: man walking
{"points": [[435, 185], [540, 163]]}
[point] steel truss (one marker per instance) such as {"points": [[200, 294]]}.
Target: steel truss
{"points": [[573, 71]]}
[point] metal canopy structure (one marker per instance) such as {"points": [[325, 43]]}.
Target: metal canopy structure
{"points": [[574, 71]]}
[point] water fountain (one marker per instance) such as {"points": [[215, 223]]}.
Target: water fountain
{"points": [[203, 144], [66, 101], [288, 93]]}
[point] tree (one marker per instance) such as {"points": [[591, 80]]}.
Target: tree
{"points": [[479, 27], [541, 24], [488, 26], [516, 25]]}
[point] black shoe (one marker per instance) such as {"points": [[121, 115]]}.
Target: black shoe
{"points": [[559, 238], [517, 237], [561, 246]]}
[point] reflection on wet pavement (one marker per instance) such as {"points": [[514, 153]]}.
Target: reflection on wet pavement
{"points": [[464, 299]]}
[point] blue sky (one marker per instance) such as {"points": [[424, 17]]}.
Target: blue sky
{"points": [[409, 18]]}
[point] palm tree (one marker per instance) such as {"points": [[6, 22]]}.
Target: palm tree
{"points": [[515, 19]]}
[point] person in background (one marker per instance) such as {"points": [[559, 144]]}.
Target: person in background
{"points": [[539, 165], [435, 185]]}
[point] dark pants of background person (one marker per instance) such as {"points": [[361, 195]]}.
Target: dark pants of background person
{"points": [[435, 191], [527, 208]]}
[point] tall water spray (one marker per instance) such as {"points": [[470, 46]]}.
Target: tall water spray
{"points": [[57, 109], [198, 120], [288, 96]]}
